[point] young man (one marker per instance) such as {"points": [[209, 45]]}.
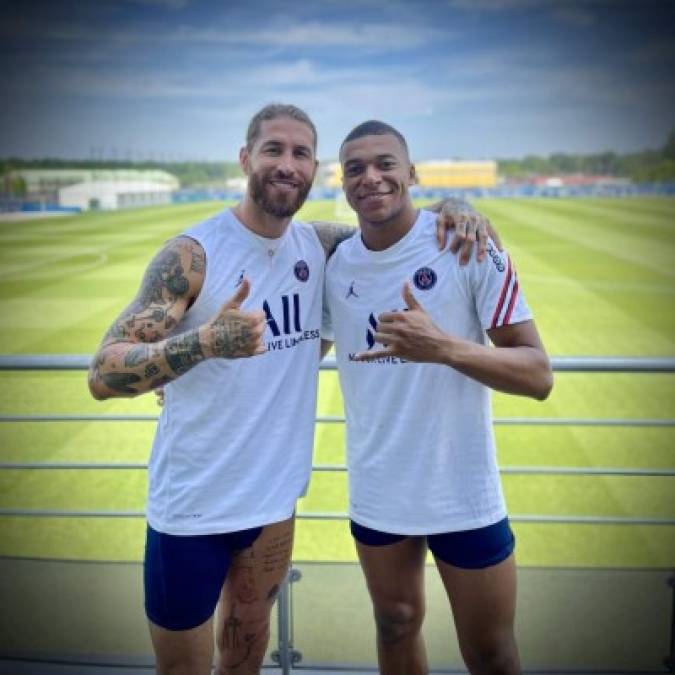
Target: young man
{"points": [[420, 447], [232, 452]]}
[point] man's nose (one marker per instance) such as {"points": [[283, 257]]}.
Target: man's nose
{"points": [[286, 164], [371, 174]]}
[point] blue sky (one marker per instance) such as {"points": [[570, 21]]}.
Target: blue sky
{"points": [[179, 79]]}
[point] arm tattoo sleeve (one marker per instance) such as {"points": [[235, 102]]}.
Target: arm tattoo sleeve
{"points": [[164, 283], [129, 362], [121, 381], [332, 234], [230, 337], [182, 352]]}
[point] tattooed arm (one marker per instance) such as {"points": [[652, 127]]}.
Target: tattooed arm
{"points": [[332, 234], [135, 355]]}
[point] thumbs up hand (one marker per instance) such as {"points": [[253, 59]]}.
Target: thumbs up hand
{"points": [[410, 335], [233, 333]]}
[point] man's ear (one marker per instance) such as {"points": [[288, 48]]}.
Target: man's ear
{"points": [[413, 175], [244, 160]]}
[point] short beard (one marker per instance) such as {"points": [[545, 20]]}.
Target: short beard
{"points": [[278, 209]]}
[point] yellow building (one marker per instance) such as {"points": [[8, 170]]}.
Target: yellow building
{"points": [[432, 174], [457, 174]]}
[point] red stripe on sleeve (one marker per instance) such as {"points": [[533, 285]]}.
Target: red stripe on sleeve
{"points": [[500, 304], [512, 304]]}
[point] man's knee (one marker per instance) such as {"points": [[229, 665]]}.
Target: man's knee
{"points": [[182, 652], [181, 664], [397, 621], [492, 656]]}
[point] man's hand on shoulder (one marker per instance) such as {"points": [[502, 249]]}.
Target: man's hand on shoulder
{"points": [[468, 226]]}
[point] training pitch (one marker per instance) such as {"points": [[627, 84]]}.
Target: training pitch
{"points": [[597, 273]]}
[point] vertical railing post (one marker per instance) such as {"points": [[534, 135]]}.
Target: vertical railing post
{"points": [[669, 661], [285, 656]]}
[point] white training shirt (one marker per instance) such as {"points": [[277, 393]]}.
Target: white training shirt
{"points": [[233, 448], [420, 444]]}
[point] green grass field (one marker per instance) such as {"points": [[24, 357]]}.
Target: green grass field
{"points": [[597, 274]]}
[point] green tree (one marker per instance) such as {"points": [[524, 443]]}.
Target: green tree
{"points": [[668, 151]]}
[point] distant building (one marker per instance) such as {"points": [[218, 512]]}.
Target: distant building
{"points": [[457, 174], [575, 179], [431, 174], [113, 195], [45, 184], [237, 184]]}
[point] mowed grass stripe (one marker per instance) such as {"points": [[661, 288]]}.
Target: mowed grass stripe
{"points": [[650, 206], [630, 323], [584, 314], [657, 225], [571, 223]]}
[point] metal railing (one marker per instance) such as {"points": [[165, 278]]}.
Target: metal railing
{"points": [[285, 655], [42, 362]]}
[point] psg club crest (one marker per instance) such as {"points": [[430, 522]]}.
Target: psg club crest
{"points": [[424, 278], [301, 270]]}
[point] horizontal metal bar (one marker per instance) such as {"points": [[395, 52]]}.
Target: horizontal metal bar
{"points": [[45, 361], [511, 470], [612, 364], [79, 418], [574, 364], [584, 471], [545, 470], [582, 422], [595, 520], [51, 513], [592, 520], [498, 421], [52, 466], [583, 520], [329, 467]]}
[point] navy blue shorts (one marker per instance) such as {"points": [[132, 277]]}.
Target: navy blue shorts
{"points": [[469, 549], [184, 575]]}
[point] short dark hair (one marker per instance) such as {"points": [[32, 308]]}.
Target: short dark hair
{"points": [[374, 128], [273, 111]]}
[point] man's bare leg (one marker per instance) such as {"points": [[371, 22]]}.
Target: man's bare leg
{"points": [[251, 587], [183, 652], [395, 578], [484, 605]]}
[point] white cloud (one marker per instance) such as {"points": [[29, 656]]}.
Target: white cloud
{"points": [[380, 36]]}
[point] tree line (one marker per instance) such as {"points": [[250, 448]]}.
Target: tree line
{"points": [[641, 167], [649, 166]]}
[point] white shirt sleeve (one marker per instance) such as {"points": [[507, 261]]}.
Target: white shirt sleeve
{"points": [[496, 290]]}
